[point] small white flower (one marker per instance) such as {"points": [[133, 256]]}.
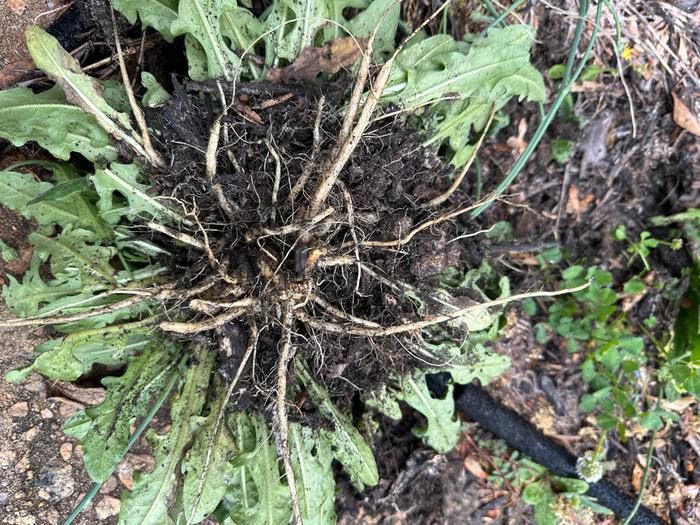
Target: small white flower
{"points": [[590, 468]]}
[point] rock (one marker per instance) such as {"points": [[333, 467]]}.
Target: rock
{"points": [[7, 458], [53, 517], [55, 482], [30, 435], [108, 506], [4, 498], [20, 409], [35, 383], [125, 473], [66, 451], [20, 518], [109, 485], [46, 413]]}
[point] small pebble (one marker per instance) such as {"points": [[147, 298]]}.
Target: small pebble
{"points": [[125, 474], [107, 507], [55, 482], [46, 414], [20, 409], [109, 485], [66, 451]]}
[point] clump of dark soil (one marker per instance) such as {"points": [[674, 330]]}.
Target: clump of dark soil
{"points": [[345, 270]]}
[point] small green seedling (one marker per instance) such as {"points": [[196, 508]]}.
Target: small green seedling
{"points": [[643, 247], [549, 495]]}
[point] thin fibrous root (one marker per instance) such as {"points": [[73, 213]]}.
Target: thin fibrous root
{"points": [[210, 164], [178, 236], [351, 222], [289, 228], [277, 181], [151, 154], [415, 231], [331, 171], [281, 417], [432, 320], [337, 312], [315, 150]]}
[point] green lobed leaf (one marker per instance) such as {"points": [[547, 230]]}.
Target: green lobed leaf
{"points": [[158, 14], [197, 68], [79, 88], [57, 126], [124, 180], [256, 495], [70, 254], [443, 428], [207, 466], [241, 27], [201, 20], [7, 252], [27, 298], [155, 95], [72, 356], [382, 15], [484, 76], [311, 457], [49, 203], [104, 430], [293, 25], [349, 447], [468, 362], [494, 67], [150, 500]]}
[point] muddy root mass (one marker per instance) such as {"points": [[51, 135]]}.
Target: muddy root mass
{"points": [[257, 263]]}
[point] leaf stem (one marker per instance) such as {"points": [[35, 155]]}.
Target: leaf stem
{"points": [[645, 477], [544, 125]]}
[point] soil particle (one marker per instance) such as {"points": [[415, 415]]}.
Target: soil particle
{"points": [[66, 451], [41, 483]]}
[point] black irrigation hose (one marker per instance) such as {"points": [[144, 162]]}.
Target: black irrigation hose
{"points": [[479, 406]]}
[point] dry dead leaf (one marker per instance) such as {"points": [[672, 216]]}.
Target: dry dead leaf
{"points": [[684, 117], [330, 58], [86, 396], [576, 205], [474, 468], [679, 405], [525, 258], [637, 473]]}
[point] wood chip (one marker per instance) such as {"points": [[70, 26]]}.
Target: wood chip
{"points": [[576, 205]]}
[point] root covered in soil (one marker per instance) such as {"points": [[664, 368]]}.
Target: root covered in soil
{"points": [[331, 274]]}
